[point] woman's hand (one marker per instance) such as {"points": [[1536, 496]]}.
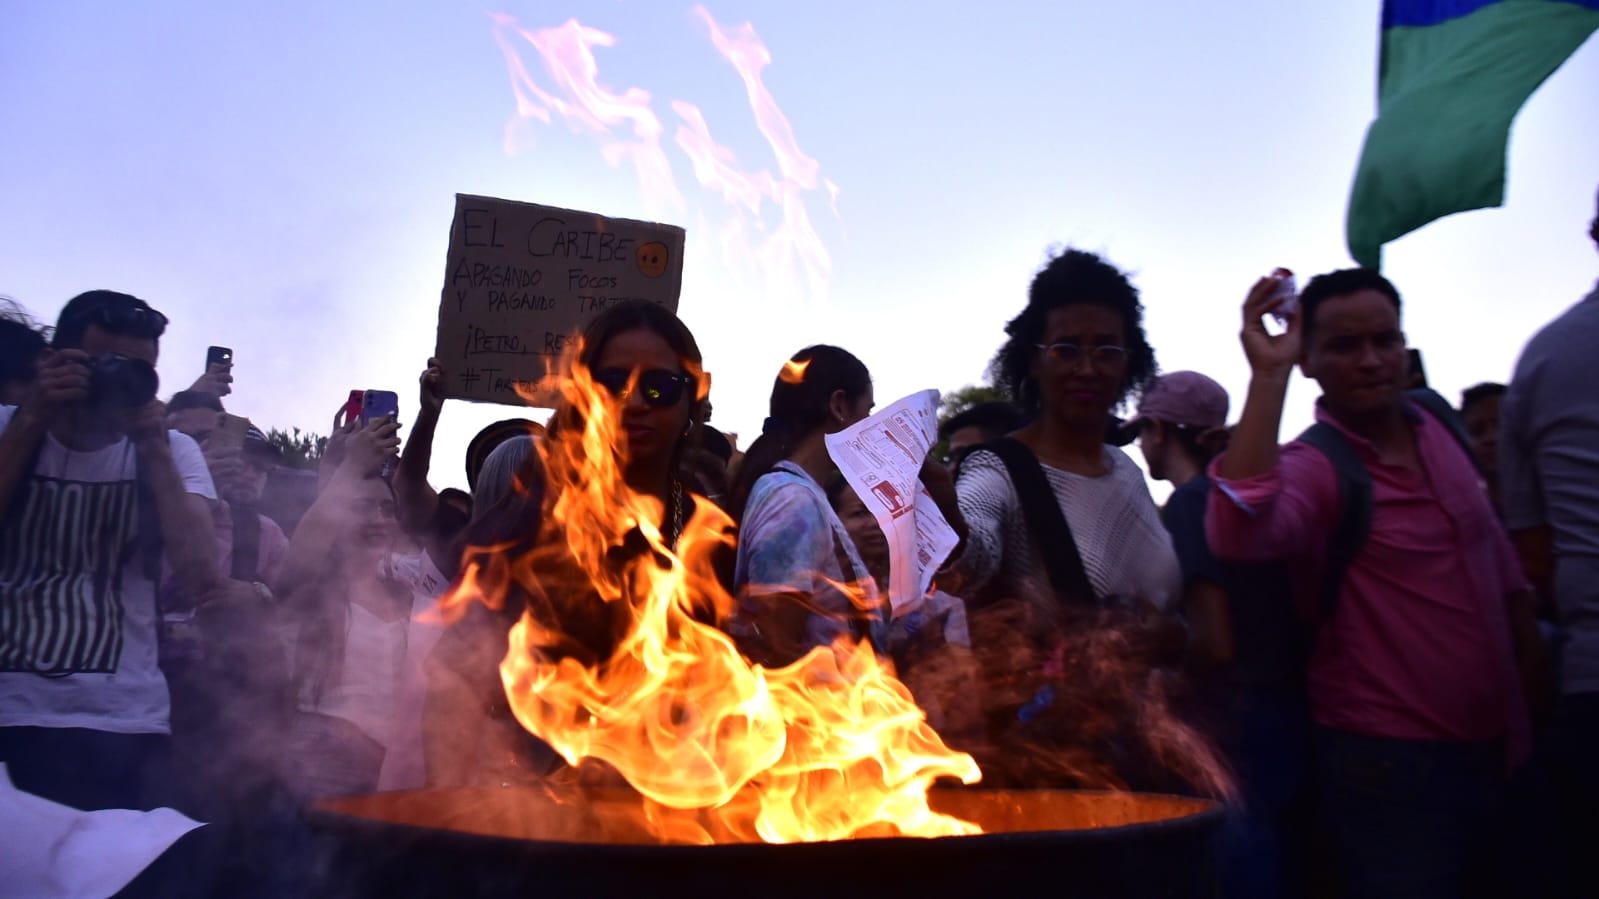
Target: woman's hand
{"points": [[940, 485], [367, 449]]}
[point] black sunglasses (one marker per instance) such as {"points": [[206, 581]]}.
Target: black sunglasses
{"points": [[127, 319], [660, 388]]}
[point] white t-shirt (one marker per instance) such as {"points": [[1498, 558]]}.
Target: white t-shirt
{"points": [[364, 688], [77, 611], [404, 764]]}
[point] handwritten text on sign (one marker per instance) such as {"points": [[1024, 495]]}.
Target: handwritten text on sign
{"points": [[522, 279]]}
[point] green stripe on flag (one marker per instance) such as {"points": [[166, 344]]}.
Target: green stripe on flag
{"points": [[1447, 94]]}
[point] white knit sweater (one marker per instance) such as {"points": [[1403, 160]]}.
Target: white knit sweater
{"points": [[1125, 548]]}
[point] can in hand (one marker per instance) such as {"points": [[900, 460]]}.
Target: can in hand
{"points": [[1287, 291]]}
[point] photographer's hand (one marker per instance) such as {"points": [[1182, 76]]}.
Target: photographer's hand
{"points": [[148, 428], [185, 517], [63, 380]]}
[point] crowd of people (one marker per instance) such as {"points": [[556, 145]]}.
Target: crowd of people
{"points": [[1385, 631]]}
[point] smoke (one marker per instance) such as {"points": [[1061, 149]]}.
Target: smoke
{"points": [[1078, 699], [758, 218]]}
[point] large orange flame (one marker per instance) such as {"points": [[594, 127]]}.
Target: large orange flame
{"points": [[586, 104], [830, 747], [794, 371]]}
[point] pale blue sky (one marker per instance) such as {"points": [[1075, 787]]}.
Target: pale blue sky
{"points": [[279, 177]]}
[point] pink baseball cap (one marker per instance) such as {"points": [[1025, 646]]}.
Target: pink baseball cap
{"points": [[1184, 398]]}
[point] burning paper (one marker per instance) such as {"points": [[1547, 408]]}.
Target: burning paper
{"points": [[53, 851], [882, 458]]}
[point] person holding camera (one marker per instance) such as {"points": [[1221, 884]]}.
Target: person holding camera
{"points": [[96, 494]]}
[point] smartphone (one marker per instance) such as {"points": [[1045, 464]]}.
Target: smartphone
{"points": [[376, 404], [218, 355], [230, 432], [352, 407]]}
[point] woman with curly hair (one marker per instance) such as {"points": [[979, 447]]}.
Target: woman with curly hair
{"points": [[1066, 565], [1075, 354]]}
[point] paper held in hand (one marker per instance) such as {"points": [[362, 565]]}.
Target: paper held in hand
{"points": [[522, 280], [881, 458]]}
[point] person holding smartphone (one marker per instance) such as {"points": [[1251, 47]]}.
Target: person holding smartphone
{"points": [[347, 620], [1426, 649], [217, 379]]}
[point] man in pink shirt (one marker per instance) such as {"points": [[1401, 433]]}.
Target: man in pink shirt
{"points": [[1415, 678]]}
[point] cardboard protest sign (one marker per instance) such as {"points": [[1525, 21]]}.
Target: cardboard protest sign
{"points": [[522, 280]]}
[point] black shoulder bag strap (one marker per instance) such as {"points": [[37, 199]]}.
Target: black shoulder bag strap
{"points": [[148, 536], [1048, 527], [246, 544], [1433, 402], [860, 619], [1355, 491], [1354, 511]]}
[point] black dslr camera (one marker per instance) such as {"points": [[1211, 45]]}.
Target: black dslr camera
{"points": [[121, 382]]}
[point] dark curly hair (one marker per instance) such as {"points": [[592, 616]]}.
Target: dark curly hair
{"points": [[1070, 277]]}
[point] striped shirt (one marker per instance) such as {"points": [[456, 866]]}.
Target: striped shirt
{"points": [[1126, 551]]}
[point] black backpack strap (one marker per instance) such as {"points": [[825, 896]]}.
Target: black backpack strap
{"points": [[1354, 511], [860, 619], [1447, 415], [1048, 527], [246, 544], [148, 536]]}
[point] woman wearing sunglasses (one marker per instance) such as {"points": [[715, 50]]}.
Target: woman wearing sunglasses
{"points": [[648, 361], [799, 580]]}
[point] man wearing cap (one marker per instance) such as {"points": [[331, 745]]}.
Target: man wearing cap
{"points": [[1245, 650], [252, 546], [195, 413], [1181, 425]]}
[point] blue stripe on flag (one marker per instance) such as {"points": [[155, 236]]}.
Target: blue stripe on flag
{"points": [[1420, 13]]}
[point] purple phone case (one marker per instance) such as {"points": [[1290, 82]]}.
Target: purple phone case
{"points": [[377, 403]]}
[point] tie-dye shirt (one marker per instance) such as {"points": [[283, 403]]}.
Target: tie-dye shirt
{"points": [[791, 542]]}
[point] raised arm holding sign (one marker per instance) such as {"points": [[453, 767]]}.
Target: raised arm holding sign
{"points": [[521, 279]]}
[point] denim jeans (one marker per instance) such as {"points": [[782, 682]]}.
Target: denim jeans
{"points": [[1574, 785], [1412, 818], [1262, 846]]}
